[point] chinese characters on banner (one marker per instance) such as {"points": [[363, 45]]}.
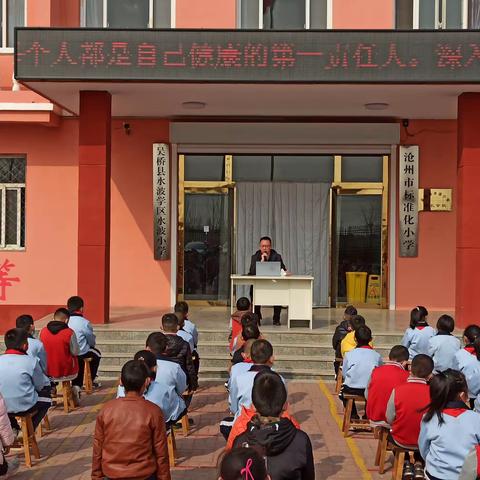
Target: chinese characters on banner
{"points": [[408, 204], [161, 201]]}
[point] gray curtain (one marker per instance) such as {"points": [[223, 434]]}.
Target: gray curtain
{"points": [[296, 216]]}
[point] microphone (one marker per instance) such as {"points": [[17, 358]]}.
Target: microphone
{"points": [[264, 256]]}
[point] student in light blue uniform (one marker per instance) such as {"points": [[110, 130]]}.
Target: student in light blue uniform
{"points": [[162, 394], [467, 360], [449, 430], [35, 346], [86, 340], [417, 336], [242, 367], [22, 381], [443, 346], [358, 365], [181, 311]]}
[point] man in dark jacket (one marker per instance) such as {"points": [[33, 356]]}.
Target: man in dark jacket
{"points": [[340, 333], [178, 350], [288, 450], [266, 254]]}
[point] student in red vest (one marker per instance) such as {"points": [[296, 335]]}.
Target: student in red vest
{"points": [[406, 407], [61, 345], [383, 380]]}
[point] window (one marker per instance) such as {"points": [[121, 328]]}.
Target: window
{"points": [[283, 14], [12, 14], [126, 13], [436, 14], [12, 203]]}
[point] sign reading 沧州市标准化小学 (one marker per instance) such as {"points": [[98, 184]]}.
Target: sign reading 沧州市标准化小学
{"points": [[248, 56]]}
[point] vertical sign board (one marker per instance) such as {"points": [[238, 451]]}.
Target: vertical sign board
{"points": [[161, 201], [408, 204]]}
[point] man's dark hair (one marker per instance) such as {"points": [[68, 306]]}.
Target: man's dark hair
{"points": [[157, 343], [16, 338], [170, 322], [266, 237], [363, 336], [269, 394], [181, 307], [357, 321], [134, 373], [422, 366], [446, 324], [398, 353], [350, 310], [249, 318], [243, 303], [250, 331], [61, 314], [24, 321], [75, 303], [261, 352]]}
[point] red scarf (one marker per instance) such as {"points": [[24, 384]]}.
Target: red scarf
{"points": [[14, 351]]}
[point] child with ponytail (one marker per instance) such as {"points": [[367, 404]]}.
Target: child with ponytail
{"points": [[419, 333], [449, 430], [467, 360], [243, 464]]}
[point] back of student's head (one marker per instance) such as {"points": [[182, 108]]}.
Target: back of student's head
{"points": [[133, 376], [249, 318], [170, 322], [418, 316], [398, 353], [363, 336], [269, 394], [445, 387], [16, 338], [261, 352], [24, 322], [446, 324], [356, 321], [243, 303], [181, 307], [250, 331], [422, 366], [157, 343], [75, 303], [350, 311], [243, 464], [149, 359], [61, 315], [472, 336]]}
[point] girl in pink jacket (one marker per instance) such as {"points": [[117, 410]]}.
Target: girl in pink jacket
{"points": [[7, 437]]}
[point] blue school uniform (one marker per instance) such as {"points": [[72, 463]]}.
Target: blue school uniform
{"points": [[21, 378], [37, 350], [188, 338], [170, 373], [84, 332], [416, 339], [237, 369], [445, 446], [358, 365], [191, 328], [466, 362], [163, 395], [442, 348]]}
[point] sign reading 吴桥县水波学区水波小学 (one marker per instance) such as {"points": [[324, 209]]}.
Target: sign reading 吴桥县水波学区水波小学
{"points": [[161, 201]]}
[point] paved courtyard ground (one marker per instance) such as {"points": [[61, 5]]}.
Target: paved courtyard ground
{"points": [[66, 450]]}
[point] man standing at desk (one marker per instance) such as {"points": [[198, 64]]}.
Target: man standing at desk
{"points": [[266, 254]]}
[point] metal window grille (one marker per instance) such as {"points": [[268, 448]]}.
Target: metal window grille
{"points": [[13, 13], [12, 203]]}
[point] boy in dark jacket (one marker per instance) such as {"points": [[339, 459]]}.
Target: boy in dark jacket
{"points": [[288, 450], [340, 333]]}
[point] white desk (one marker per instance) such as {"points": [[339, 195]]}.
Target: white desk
{"points": [[294, 291]]}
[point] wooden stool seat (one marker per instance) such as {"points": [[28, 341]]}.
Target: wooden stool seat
{"points": [[172, 446], [185, 425], [87, 376], [399, 460], [348, 422], [67, 393], [338, 384], [383, 447], [44, 424], [29, 440]]}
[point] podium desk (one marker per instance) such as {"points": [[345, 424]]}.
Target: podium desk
{"points": [[294, 291]]}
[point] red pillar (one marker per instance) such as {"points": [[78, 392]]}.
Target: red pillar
{"points": [[468, 201], [94, 204]]}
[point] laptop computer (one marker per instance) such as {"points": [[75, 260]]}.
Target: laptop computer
{"points": [[268, 269]]}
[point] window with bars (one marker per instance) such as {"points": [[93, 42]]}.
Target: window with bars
{"points": [[126, 13], [12, 14], [12, 202]]}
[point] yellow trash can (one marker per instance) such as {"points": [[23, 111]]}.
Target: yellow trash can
{"points": [[373, 289], [356, 287]]}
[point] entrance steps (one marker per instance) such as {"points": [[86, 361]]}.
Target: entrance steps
{"points": [[299, 354]]}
